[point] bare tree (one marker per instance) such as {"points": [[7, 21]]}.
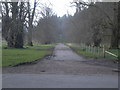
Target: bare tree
{"points": [[13, 24], [115, 30], [47, 28], [112, 22], [30, 22]]}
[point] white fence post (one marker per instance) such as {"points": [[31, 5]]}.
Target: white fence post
{"points": [[103, 51], [98, 51], [89, 48]]}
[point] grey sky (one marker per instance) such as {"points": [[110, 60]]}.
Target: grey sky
{"points": [[60, 7]]}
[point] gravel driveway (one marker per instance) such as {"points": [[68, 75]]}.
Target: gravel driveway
{"points": [[64, 62]]}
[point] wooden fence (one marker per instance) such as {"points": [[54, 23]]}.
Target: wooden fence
{"points": [[99, 51]]}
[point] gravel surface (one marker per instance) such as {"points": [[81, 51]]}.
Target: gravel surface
{"points": [[65, 61]]}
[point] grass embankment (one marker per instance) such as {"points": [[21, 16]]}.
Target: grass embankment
{"points": [[83, 52], [12, 56], [96, 55]]}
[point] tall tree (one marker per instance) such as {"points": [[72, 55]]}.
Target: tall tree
{"points": [[113, 23], [119, 21], [115, 29], [5, 20], [14, 23], [30, 22]]}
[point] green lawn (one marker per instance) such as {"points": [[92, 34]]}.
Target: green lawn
{"points": [[11, 57]]}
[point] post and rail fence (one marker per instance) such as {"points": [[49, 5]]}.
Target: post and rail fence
{"points": [[99, 51]]}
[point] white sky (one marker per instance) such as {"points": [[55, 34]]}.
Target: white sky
{"points": [[60, 7]]}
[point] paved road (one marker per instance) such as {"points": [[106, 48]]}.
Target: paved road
{"points": [[58, 81], [65, 70]]}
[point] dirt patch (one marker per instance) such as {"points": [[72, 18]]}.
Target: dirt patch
{"points": [[61, 67]]}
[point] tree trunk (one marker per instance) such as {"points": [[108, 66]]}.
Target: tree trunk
{"points": [[30, 35], [119, 22], [114, 39], [15, 37], [115, 30], [31, 18], [19, 37], [13, 27], [20, 23], [96, 37]]}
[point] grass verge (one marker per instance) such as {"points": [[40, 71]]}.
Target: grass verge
{"points": [[85, 53], [12, 56]]}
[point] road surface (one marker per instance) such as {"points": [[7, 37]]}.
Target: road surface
{"points": [[65, 70]]}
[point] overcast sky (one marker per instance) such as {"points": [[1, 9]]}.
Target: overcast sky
{"points": [[60, 7]]}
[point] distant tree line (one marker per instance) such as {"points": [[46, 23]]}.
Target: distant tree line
{"points": [[93, 24], [48, 27]]}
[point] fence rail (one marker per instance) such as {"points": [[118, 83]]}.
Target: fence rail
{"points": [[111, 54], [99, 51]]}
